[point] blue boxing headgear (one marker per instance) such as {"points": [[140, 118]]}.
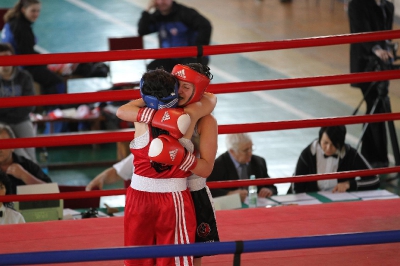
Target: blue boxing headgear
{"points": [[153, 102]]}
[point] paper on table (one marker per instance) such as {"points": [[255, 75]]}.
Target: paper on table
{"points": [[118, 214], [374, 194], [227, 202], [70, 211], [69, 214], [262, 202], [303, 202], [102, 214], [292, 198], [382, 198], [338, 196]]}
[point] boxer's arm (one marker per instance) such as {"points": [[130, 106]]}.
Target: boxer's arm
{"points": [[201, 108], [198, 110], [129, 111], [208, 130]]}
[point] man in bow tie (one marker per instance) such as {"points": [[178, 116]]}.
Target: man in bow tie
{"points": [[328, 154]]}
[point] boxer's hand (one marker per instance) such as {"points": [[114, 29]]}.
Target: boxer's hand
{"points": [[173, 120], [167, 150]]}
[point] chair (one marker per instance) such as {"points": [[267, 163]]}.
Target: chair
{"points": [[79, 203], [2, 12], [126, 43]]}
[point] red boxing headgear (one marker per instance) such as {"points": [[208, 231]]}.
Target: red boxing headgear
{"points": [[200, 82]]}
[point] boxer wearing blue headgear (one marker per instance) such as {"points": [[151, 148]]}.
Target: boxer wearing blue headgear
{"points": [[151, 93]]}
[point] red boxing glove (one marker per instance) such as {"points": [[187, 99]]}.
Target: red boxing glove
{"points": [[145, 115], [173, 120], [167, 150]]}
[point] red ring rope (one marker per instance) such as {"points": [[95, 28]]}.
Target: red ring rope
{"points": [[115, 136], [303, 178], [214, 88], [218, 184], [35, 59]]}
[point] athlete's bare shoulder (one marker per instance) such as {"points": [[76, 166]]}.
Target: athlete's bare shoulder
{"points": [[205, 122]]}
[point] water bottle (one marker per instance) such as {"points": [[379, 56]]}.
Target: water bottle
{"points": [[252, 194], [43, 157]]}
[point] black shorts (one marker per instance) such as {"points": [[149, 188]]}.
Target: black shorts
{"points": [[206, 230]]}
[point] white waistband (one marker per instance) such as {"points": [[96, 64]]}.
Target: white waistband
{"points": [[196, 182], [160, 185]]}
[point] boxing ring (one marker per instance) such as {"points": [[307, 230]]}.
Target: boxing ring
{"points": [[346, 233]]}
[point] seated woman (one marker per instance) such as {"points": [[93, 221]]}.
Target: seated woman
{"points": [[328, 154], [18, 32], [19, 169], [7, 213], [17, 82]]}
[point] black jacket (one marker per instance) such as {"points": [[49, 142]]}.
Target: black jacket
{"points": [[21, 84], [29, 166], [352, 160], [19, 33], [367, 16], [184, 26], [225, 170]]}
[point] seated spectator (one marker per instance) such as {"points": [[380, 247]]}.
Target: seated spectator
{"points": [[18, 32], [177, 26], [239, 163], [122, 170], [19, 169], [328, 154], [7, 213], [17, 82]]}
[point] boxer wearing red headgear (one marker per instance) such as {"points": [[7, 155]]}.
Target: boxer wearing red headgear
{"points": [[189, 77], [194, 79]]}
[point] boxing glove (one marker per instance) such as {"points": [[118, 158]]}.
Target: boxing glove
{"points": [[173, 120], [167, 150]]}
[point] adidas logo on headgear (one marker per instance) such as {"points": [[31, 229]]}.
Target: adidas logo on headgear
{"points": [[181, 73]]}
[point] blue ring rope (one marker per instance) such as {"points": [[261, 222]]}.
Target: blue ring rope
{"points": [[120, 253]]}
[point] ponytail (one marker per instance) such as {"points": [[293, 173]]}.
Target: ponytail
{"points": [[16, 10]]}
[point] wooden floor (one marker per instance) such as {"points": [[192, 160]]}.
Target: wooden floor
{"points": [[85, 25], [257, 21]]}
